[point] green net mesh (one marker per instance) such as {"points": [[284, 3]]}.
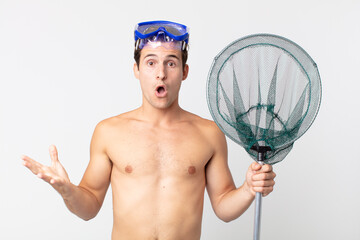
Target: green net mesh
{"points": [[264, 90]]}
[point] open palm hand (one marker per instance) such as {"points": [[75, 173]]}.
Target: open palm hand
{"points": [[54, 174]]}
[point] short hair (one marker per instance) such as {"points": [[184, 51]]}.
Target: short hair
{"points": [[184, 56]]}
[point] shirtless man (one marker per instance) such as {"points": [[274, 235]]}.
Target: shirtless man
{"points": [[158, 158]]}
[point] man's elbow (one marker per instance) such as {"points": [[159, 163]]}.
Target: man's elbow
{"points": [[87, 217], [225, 217]]}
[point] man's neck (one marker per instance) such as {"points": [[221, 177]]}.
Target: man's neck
{"points": [[160, 116]]}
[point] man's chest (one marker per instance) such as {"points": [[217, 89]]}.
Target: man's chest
{"points": [[149, 151]]}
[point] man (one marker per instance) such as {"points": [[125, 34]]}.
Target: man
{"points": [[158, 158]]}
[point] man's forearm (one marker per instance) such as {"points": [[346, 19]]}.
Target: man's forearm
{"points": [[81, 202], [234, 203]]}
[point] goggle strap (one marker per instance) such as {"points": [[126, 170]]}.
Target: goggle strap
{"points": [[137, 43], [184, 45]]}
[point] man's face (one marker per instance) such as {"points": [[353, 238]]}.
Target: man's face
{"points": [[160, 74]]}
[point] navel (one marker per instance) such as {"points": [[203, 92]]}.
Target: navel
{"points": [[128, 169], [191, 170]]}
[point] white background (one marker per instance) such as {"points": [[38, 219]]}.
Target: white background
{"points": [[66, 65]]}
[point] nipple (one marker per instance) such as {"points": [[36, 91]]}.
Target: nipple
{"points": [[191, 170], [128, 169]]}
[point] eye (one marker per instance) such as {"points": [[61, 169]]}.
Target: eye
{"points": [[171, 64], [150, 63]]}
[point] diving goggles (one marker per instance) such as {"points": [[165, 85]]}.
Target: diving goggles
{"points": [[155, 32]]}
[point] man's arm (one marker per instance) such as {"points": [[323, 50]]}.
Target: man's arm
{"points": [[228, 201], [86, 199]]}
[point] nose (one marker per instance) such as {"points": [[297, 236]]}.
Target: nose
{"points": [[161, 74]]}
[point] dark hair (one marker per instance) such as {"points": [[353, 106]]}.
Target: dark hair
{"points": [[184, 56]]}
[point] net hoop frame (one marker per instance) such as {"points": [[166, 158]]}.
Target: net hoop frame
{"points": [[230, 50]]}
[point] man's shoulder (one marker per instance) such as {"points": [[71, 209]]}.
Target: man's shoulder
{"points": [[209, 131], [117, 121], [205, 125]]}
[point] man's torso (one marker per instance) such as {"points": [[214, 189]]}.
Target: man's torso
{"points": [[158, 177]]}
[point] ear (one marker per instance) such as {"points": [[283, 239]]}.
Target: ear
{"points": [[136, 71], [185, 72]]}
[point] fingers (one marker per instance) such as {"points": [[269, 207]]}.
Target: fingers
{"points": [[43, 172], [255, 166], [264, 187], [262, 178], [53, 155], [263, 168], [31, 164], [264, 190], [55, 175], [263, 184]]}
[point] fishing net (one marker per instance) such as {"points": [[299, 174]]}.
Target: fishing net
{"points": [[264, 90]]}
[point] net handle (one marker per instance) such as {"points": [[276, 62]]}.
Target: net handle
{"points": [[258, 202], [261, 150]]}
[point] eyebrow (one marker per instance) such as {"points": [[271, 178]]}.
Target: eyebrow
{"points": [[167, 56]]}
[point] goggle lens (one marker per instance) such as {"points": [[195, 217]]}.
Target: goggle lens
{"points": [[170, 28]]}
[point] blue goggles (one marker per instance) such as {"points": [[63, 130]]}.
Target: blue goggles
{"points": [[164, 31]]}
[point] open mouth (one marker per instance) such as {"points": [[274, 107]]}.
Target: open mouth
{"points": [[160, 91]]}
